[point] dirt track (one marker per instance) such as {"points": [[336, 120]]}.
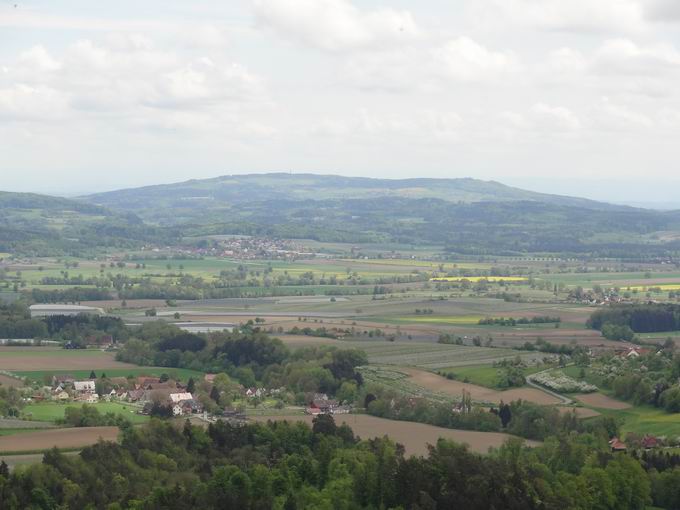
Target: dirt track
{"points": [[61, 438], [414, 436], [435, 382]]}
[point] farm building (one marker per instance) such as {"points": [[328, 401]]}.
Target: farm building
{"points": [[84, 386], [61, 380], [180, 397], [649, 442], [617, 445], [51, 310]]}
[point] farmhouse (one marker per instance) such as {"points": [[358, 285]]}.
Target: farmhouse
{"points": [[313, 409], [634, 352], [51, 310], [180, 397], [88, 398], [61, 380], [255, 392], [60, 395], [144, 382], [617, 445], [135, 395], [325, 406], [649, 442], [84, 386]]}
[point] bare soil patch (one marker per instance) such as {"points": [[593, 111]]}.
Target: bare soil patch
{"points": [[602, 401], [6, 380], [414, 436], [435, 382], [25, 459], [61, 438], [46, 358], [306, 340]]}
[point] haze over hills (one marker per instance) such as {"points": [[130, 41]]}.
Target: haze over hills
{"points": [[232, 189], [467, 216]]}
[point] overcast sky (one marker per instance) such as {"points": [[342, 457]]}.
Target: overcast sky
{"points": [[570, 96]]}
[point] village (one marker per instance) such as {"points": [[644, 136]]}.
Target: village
{"points": [[163, 396]]}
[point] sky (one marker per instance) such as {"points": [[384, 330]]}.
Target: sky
{"points": [[567, 96]]}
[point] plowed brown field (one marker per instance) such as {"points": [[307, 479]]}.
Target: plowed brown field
{"points": [[61, 438], [434, 382], [414, 436]]}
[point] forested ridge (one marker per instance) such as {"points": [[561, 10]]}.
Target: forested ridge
{"points": [[292, 466], [467, 216]]}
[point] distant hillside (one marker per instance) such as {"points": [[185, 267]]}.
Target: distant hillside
{"points": [[465, 215], [35, 202], [190, 200], [46, 225]]}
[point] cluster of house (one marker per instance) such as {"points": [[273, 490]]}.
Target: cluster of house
{"points": [[261, 392], [321, 404], [247, 248], [647, 443], [145, 391], [633, 352]]}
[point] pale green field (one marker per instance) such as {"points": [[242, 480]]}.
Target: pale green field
{"points": [[55, 411]]}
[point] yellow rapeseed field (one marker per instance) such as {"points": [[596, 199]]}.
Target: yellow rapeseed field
{"points": [[475, 279]]}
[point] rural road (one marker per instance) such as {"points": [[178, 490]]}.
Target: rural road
{"points": [[565, 400]]}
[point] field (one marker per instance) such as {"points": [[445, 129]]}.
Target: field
{"points": [[61, 438], [307, 340], [414, 436], [396, 324], [6, 380], [598, 400], [181, 374], [476, 279], [437, 383], [50, 412], [21, 359], [35, 363], [649, 420], [25, 459], [482, 375], [435, 356]]}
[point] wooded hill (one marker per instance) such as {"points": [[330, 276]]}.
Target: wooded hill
{"points": [[467, 216]]}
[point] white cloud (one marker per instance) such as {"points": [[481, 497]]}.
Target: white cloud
{"points": [[663, 10], [567, 15], [124, 77], [610, 116], [336, 25], [31, 103], [556, 118], [466, 60], [622, 56], [422, 126], [430, 68]]}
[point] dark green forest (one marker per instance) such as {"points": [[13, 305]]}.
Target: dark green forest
{"points": [[292, 466], [645, 318]]}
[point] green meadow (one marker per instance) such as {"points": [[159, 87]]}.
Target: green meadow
{"points": [[181, 374], [55, 411]]}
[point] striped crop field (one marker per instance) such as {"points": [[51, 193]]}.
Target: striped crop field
{"points": [[431, 356]]}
